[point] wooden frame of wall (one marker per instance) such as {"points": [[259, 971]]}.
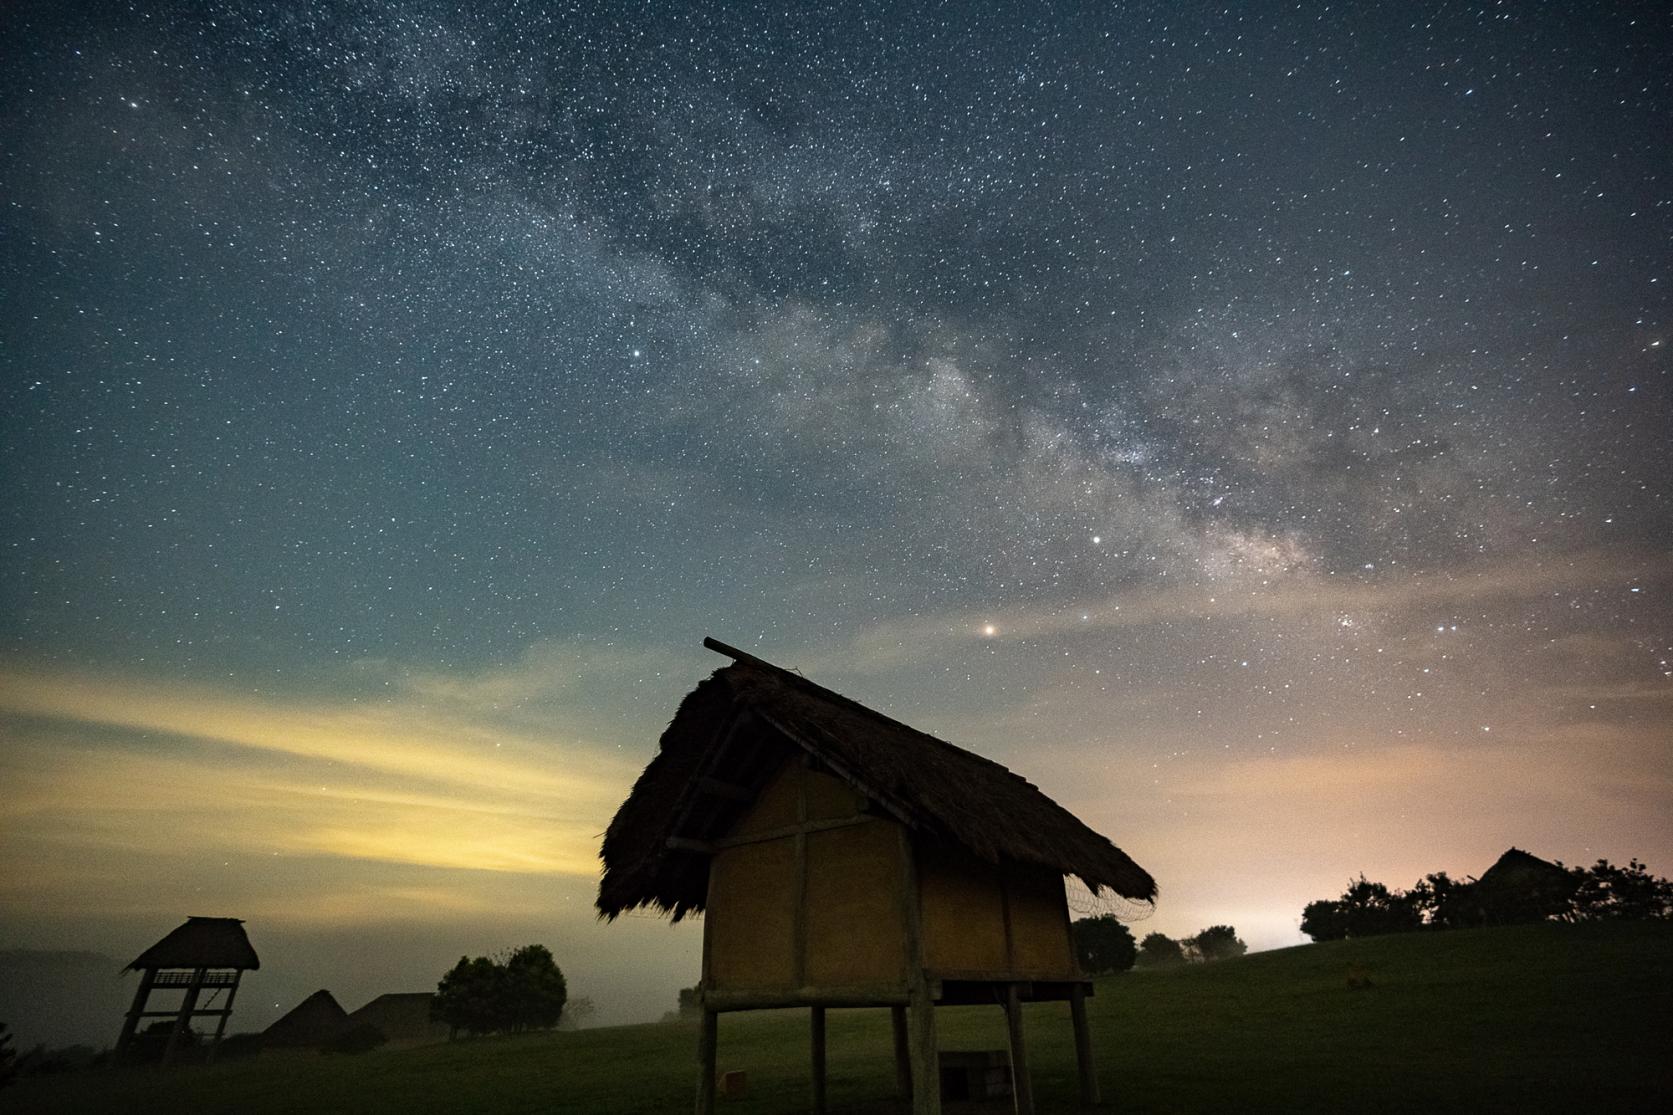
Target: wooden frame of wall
{"points": [[818, 899]]}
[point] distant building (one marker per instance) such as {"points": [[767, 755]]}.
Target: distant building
{"points": [[310, 1024], [403, 1018], [1519, 887]]}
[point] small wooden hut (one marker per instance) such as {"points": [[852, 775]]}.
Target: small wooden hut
{"points": [[841, 858], [203, 954]]}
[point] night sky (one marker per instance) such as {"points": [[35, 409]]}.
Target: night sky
{"points": [[1250, 425]]}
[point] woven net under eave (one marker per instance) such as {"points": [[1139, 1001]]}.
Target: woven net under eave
{"points": [[1084, 904]]}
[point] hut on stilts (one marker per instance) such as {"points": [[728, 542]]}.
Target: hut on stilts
{"points": [[843, 859], [203, 954]]}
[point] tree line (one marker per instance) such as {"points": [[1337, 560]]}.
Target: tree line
{"points": [[1604, 891], [1103, 945]]}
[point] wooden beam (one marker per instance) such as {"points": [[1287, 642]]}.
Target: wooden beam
{"points": [[873, 995], [798, 829], [900, 813], [147, 977], [798, 886], [225, 1013], [1022, 1083], [818, 1035], [187, 1007], [706, 1049], [733, 653], [1089, 1095]]}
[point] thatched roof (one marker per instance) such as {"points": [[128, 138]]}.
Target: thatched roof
{"points": [[403, 1017], [736, 729], [201, 943], [313, 1021], [1519, 868]]}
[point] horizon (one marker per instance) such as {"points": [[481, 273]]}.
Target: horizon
{"points": [[1251, 428]]}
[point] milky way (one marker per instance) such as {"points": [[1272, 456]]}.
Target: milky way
{"points": [[1251, 425]]}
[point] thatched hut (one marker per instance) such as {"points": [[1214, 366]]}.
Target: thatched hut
{"points": [[308, 1025], [1519, 887], [203, 954], [403, 1017], [842, 858]]}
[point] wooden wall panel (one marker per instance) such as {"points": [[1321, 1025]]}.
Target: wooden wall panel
{"points": [[963, 915], [1039, 927], [854, 930], [829, 797], [750, 922]]}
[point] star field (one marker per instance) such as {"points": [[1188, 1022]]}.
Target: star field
{"points": [[1221, 415]]}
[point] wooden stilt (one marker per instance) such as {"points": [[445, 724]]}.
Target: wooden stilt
{"points": [[221, 1026], [706, 1049], [1089, 1095], [926, 1069], [903, 1056], [818, 1031], [184, 1018], [130, 1024], [1022, 1085]]}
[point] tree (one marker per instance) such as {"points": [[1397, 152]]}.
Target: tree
{"points": [[1324, 921], [690, 1005], [1366, 909], [1436, 898], [526, 991], [1218, 942], [1103, 945], [468, 996], [534, 992], [1606, 890], [1159, 951]]}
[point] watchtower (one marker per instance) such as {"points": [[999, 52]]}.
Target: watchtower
{"points": [[204, 953]]}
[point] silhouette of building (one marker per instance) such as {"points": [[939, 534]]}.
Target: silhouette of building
{"points": [[403, 1017], [308, 1025], [203, 954], [841, 858], [1519, 887]]}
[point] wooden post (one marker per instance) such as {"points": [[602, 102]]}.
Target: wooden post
{"points": [[818, 1029], [922, 1051], [903, 1055], [1022, 1085], [1089, 1095], [147, 978], [706, 1048], [184, 1018], [925, 1057], [221, 1026]]}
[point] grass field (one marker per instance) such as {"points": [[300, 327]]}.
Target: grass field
{"points": [[1534, 1018]]}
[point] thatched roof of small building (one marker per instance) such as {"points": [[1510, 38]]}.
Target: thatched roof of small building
{"points": [[737, 727], [403, 1017], [201, 943], [1519, 868], [314, 1021]]}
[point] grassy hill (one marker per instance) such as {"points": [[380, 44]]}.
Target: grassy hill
{"points": [[1534, 1018]]}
